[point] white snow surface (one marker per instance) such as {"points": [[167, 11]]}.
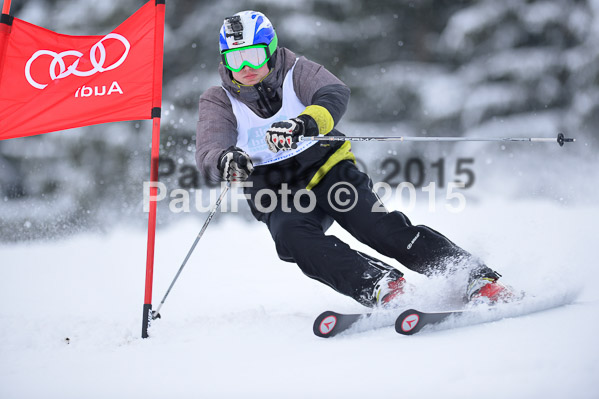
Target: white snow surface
{"points": [[238, 323]]}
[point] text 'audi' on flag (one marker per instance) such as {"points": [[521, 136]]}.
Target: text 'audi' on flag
{"points": [[50, 81]]}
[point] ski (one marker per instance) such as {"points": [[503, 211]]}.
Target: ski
{"points": [[411, 321], [328, 324]]}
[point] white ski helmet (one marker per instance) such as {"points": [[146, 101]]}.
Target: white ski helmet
{"points": [[247, 28]]}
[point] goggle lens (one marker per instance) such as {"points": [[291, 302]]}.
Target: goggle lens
{"points": [[254, 57]]}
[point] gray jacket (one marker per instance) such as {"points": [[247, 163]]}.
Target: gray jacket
{"points": [[217, 126]]}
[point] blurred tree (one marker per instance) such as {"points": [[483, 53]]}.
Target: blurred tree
{"points": [[436, 67]]}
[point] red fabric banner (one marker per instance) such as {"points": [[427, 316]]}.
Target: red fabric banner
{"points": [[50, 81]]}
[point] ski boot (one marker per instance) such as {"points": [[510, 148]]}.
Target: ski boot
{"points": [[489, 291], [388, 289]]}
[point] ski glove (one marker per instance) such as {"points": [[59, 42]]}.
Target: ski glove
{"points": [[285, 135], [235, 165]]}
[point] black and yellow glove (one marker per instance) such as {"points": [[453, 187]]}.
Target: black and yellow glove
{"points": [[235, 165], [283, 135]]}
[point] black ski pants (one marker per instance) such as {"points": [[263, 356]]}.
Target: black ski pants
{"points": [[300, 236]]}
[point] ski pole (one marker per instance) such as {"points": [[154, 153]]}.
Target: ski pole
{"points": [[155, 313], [560, 138]]}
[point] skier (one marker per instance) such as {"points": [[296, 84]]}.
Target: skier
{"points": [[248, 130]]}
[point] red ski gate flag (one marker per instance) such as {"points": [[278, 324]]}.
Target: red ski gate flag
{"points": [[50, 81]]}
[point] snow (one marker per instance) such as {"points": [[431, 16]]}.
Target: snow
{"points": [[471, 20], [538, 15], [497, 96], [238, 322]]}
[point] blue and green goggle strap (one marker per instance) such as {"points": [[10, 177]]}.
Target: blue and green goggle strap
{"points": [[270, 49]]}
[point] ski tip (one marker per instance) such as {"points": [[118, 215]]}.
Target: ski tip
{"points": [[408, 322], [324, 325]]}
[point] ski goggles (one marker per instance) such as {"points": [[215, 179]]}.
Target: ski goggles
{"points": [[253, 56]]}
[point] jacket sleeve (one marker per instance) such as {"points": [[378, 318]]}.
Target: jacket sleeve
{"points": [[319, 88], [216, 131]]}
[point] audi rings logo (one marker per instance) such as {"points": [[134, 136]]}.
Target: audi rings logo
{"points": [[97, 57]]}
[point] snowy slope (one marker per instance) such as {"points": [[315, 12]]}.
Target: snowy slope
{"points": [[238, 322]]}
